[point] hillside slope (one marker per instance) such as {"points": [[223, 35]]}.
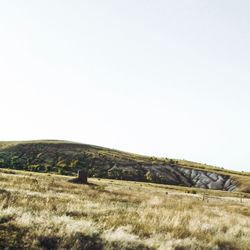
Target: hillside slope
{"points": [[66, 158]]}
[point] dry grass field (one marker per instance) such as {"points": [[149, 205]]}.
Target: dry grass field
{"points": [[43, 211]]}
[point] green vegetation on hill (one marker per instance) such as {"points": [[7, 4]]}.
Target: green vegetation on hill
{"points": [[66, 158]]}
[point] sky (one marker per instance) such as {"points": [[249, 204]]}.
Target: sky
{"points": [[155, 77]]}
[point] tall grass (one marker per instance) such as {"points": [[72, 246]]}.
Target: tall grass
{"points": [[39, 211]]}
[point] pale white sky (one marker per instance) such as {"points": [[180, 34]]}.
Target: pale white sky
{"points": [[164, 78]]}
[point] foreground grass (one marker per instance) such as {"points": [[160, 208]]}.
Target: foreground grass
{"points": [[40, 211]]}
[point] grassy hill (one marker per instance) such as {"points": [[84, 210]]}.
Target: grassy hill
{"points": [[66, 158], [47, 211]]}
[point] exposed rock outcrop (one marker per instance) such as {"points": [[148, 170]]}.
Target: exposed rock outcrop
{"points": [[179, 175]]}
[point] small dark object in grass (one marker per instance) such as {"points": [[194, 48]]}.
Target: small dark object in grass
{"points": [[83, 176]]}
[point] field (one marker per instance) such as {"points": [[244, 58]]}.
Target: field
{"points": [[46, 211]]}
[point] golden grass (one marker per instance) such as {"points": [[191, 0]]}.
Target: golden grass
{"points": [[40, 211]]}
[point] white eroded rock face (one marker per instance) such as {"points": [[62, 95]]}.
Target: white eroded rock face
{"points": [[178, 175]]}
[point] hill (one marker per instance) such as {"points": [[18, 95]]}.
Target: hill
{"points": [[47, 211], [67, 157]]}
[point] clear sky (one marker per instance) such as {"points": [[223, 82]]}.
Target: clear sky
{"points": [[159, 77]]}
